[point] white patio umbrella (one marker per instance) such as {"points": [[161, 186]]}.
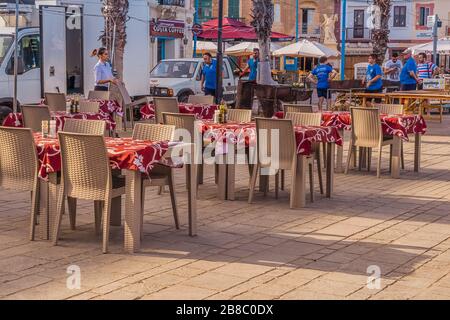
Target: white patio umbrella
{"points": [[443, 47], [246, 48], [306, 48], [206, 46]]}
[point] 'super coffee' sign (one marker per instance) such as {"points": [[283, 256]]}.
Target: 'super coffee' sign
{"points": [[167, 28]]}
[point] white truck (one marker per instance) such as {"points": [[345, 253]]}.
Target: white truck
{"points": [[55, 54], [182, 77]]}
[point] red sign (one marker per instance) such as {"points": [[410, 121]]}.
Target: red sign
{"points": [[167, 28]]}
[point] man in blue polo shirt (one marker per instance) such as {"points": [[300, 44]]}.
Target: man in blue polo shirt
{"points": [[372, 80], [252, 66], [408, 76], [208, 83], [322, 73]]}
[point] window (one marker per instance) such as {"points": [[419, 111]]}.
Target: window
{"points": [[424, 12], [233, 9], [277, 13], [29, 53], [358, 24], [399, 16], [307, 19]]}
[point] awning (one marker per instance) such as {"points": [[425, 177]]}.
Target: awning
{"points": [[443, 47], [246, 48], [306, 48]]}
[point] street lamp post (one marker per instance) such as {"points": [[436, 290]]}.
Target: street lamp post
{"points": [[343, 37], [219, 54], [196, 6], [16, 56]]}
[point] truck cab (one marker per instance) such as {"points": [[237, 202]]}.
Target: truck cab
{"points": [[182, 77]]}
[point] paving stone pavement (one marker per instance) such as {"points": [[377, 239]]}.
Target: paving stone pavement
{"points": [[259, 251]]}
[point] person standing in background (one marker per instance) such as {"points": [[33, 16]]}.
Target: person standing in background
{"points": [[408, 76], [425, 69], [392, 68], [324, 73], [252, 66], [373, 79], [103, 74], [208, 83]]}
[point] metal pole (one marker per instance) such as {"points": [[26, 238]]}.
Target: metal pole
{"points": [[219, 55], [16, 56], [435, 38], [296, 20], [196, 5], [343, 37]]}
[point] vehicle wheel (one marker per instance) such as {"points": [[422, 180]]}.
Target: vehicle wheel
{"points": [[184, 97], [4, 111]]}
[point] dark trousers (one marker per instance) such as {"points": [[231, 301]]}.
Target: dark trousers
{"points": [[408, 87], [100, 88], [210, 92], [377, 100]]}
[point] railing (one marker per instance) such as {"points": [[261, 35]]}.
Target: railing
{"points": [[359, 34], [177, 3], [307, 30]]}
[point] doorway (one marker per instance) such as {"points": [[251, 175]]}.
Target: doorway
{"points": [[74, 60]]}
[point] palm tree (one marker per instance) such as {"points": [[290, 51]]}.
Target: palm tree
{"points": [[381, 34], [262, 21], [114, 35]]}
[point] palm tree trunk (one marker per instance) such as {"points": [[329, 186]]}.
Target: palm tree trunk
{"points": [[381, 35], [262, 15]]}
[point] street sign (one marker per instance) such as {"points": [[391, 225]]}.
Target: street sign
{"points": [[197, 29], [431, 20]]}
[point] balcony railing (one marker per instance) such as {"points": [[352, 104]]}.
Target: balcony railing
{"points": [[307, 30], [177, 3], [359, 34]]}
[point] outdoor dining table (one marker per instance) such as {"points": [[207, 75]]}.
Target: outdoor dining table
{"points": [[16, 120], [136, 158], [232, 134], [201, 111], [398, 126]]}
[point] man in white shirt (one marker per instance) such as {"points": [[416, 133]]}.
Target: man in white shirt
{"points": [[392, 68]]}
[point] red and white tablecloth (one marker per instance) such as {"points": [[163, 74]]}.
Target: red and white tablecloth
{"points": [[399, 125], [109, 107], [201, 111], [124, 153], [245, 133], [15, 119]]}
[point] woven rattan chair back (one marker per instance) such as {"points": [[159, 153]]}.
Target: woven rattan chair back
{"points": [[93, 127], [297, 108], [304, 119], [164, 105], [89, 106], [283, 133], [33, 116], [389, 108], [153, 132], [198, 99], [181, 121], [55, 101], [100, 95], [239, 115], [18, 159], [366, 127], [86, 172]]}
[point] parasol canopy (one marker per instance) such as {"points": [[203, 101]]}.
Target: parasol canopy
{"points": [[443, 47], [306, 48], [246, 48], [235, 30]]}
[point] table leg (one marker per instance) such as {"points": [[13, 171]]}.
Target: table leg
{"points": [[340, 154], [116, 211], [330, 171], [44, 210], [396, 158], [133, 211], [231, 178], [222, 180], [417, 151], [298, 194], [192, 198]]}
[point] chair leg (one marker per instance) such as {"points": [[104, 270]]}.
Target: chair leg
{"points": [[349, 157], [216, 173], [360, 158], [283, 179], [369, 158], [200, 173], [379, 162], [324, 148], [390, 158], [141, 231], [173, 200], [106, 220], [311, 181], [277, 184], [34, 210], [72, 204], [319, 171], [59, 213], [98, 207], [253, 183], [402, 156]]}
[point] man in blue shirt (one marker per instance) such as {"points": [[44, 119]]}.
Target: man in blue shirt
{"points": [[372, 80], [322, 73], [208, 83], [408, 76], [252, 66]]}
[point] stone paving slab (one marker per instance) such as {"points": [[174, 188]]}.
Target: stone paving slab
{"points": [[258, 251]]}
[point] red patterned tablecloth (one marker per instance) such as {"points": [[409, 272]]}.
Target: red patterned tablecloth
{"points": [[109, 107], [399, 125], [15, 119], [245, 133], [201, 111], [124, 153]]}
